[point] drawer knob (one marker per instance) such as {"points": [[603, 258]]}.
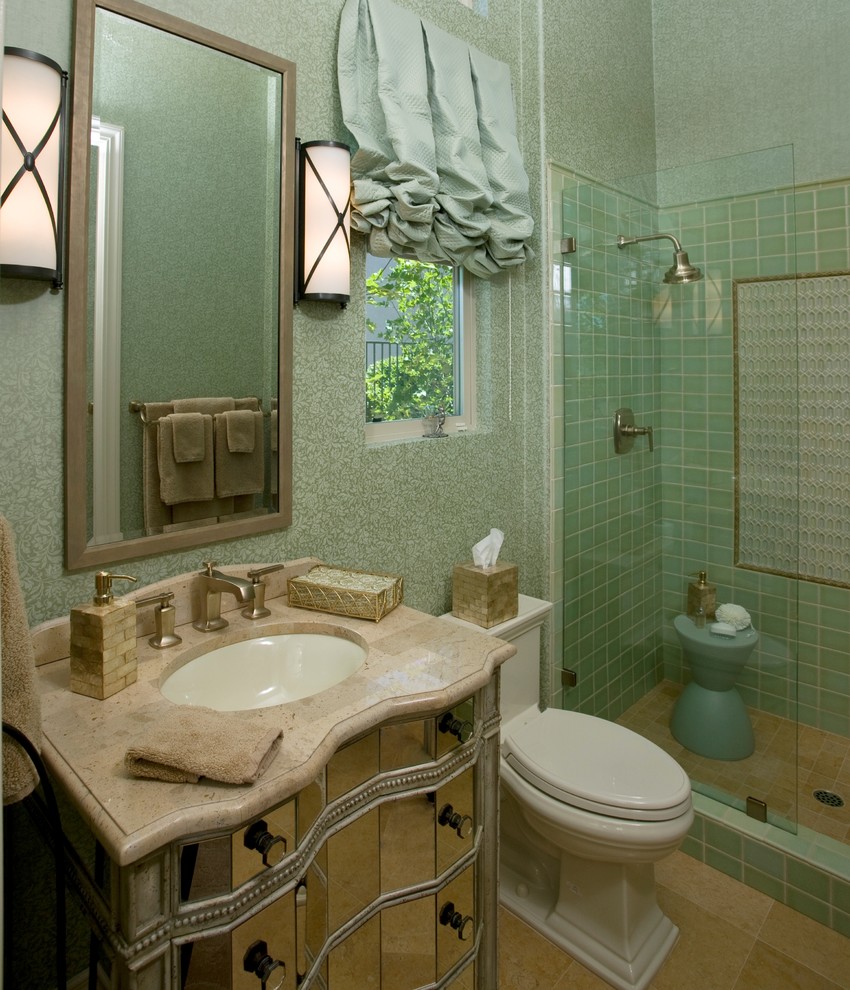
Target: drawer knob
{"points": [[460, 923], [258, 961], [460, 728], [462, 824], [271, 847]]}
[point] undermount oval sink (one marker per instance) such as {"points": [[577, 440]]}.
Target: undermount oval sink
{"points": [[266, 671]]}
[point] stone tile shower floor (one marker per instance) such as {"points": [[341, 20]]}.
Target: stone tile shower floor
{"points": [[731, 938], [775, 773]]}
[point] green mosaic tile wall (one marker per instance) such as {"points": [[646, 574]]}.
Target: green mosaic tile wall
{"points": [[746, 237], [634, 527], [611, 505]]}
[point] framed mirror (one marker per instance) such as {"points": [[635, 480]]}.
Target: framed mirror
{"points": [[179, 289]]}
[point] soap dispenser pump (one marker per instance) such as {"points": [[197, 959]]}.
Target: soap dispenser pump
{"points": [[702, 597], [103, 641]]}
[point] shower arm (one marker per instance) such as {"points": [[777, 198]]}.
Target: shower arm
{"points": [[622, 240]]}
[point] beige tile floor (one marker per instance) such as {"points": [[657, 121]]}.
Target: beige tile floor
{"points": [[731, 938], [776, 772]]}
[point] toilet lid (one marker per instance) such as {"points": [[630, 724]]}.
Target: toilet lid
{"points": [[599, 766]]}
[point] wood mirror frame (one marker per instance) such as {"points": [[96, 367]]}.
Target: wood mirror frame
{"points": [[80, 552]]}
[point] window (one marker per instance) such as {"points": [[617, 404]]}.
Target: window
{"points": [[418, 347]]}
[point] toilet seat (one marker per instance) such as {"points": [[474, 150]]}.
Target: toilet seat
{"points": [[598, 766]]}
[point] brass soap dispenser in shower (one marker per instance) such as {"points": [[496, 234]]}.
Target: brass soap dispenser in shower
{"points": [[702, 598]]}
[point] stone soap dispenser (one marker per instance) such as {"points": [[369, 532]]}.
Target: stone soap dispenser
{"points": [[702, 598], [103, 641]]}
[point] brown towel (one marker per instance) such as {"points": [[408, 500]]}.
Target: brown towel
{"points": [[188, 482], [188, 742], [188, 434], [208, 406], [238, 474], [21, 703], [241, 430]]}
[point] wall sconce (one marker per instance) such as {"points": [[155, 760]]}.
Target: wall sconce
{"points": [[32, 166], [324, 221]]}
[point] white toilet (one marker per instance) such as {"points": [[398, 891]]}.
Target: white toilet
{"points": [[587, 807]]}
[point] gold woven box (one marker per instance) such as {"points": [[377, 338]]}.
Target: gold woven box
{"points": [[485, 595], [341, 591]]}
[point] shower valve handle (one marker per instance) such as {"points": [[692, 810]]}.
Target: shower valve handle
{"points": [[639, 431], [625, 431]]}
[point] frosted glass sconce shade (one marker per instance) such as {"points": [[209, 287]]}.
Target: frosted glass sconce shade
{"points": [[324, 248], [32, 166]]}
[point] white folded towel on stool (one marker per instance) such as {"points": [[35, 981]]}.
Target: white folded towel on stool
{"points": [[734, 615]]}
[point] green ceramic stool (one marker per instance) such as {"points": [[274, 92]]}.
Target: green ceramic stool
{"points": [[710, 717]]}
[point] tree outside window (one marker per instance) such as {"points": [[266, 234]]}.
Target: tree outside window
{"points": [[410, 340]]}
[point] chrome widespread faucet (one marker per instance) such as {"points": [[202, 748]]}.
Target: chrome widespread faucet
{"points": [[258, 610], [213, 583]]}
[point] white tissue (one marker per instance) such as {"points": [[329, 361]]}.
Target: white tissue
{"points": [[722, 629], [486, 551], [734, 616]]}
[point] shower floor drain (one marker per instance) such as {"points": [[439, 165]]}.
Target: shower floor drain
{"points": [[830, 798]]}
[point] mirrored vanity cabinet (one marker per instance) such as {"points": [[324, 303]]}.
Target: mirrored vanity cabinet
{"points": [[381, 872]]}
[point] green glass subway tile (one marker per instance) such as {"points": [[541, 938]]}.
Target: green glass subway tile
{"points": [[775, 265], [716, 253], [763, 858], [840, 922], [726, 864], [824, 219], [741, 229], [831, 240], [832, 722], [840, 894], [829, 596], [766, 884], [832, 261], [770, 205], [726, 840], [746, 268], [744, 248], [808, 905], [772, 225], [807, 878], [831, 197], [773, 245], [742, 209], [805, 222], [716, 232]]}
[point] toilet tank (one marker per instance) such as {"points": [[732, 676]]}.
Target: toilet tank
{"points": [[520, 676]]}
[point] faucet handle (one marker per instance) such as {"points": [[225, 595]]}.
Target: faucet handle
{"points": [[208, 567]]}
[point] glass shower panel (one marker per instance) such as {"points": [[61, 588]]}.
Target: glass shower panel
{"points": [[638, 525]]}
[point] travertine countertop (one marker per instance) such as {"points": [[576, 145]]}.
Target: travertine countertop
{"points": [[416, 663]]}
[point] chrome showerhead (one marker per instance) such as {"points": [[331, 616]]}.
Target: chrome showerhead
{"points": [[681, 272]]}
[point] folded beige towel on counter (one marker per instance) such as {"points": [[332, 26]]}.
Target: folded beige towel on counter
{"points": [[186, 743], [21, 703]]}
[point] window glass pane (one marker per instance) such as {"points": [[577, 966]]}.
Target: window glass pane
{"points": [[412, 339]]}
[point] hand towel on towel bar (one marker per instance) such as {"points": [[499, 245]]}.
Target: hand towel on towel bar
{"points": [[186, 743], [238, 473], [21, 703], [241, 431], [188, 434], [193, 481]]}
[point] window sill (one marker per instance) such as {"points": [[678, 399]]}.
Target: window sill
{"points": [[379, 434]]}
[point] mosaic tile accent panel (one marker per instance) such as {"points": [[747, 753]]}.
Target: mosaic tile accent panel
{"points": [[793, 363]]}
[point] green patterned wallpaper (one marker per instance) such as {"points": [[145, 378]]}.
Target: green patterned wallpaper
{"points": [[415, 508]]}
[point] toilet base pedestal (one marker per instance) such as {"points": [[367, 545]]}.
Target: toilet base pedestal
{"points": [[605, 915], [715, 724]]}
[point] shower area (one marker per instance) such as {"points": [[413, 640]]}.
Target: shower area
{"points": [[733, 366]]}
